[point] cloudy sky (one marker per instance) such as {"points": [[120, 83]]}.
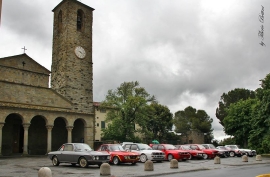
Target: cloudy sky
{"points": [[185, 52]]}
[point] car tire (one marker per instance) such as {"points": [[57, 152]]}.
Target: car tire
{"points": [[143, 158], [55, 161], [205, 156], [83, 162], [170, 157], [115, 160], [232, 154]]}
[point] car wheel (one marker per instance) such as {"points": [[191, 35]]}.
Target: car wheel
{"points": [[115, 160], [170, 157], [83, 162], [55, 161], [205, 156], [232, 154], [143, 158]]}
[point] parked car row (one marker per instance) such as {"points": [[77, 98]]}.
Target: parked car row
{"points": [[83, 155]]}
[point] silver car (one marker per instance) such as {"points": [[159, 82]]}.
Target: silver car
{"points": [[78, 153], [145, 151]]}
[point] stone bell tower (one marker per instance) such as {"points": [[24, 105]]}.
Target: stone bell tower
{"points": [[72, 67]]}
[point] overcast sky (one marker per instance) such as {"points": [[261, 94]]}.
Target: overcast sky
{"points": [[185, 52]]}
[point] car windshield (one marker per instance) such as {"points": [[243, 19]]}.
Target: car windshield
{"points": [[233, 147], [211, 146], [201, 146], [116, 147], [83, 147], [184, 147], [144, 147], [169, 147]]}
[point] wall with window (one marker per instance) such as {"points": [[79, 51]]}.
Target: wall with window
{"points": [[100, 117]]}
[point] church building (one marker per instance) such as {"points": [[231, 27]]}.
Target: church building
{"points": [[35, 118]]}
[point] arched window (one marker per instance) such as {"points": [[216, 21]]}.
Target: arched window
{"points": [[80, 20], [60, 24]]}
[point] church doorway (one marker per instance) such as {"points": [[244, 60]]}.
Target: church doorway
{"points": [[37, 136], [59, 133], [13, 134], [78, 131]]}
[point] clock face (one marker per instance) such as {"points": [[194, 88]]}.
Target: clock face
{"points": [[80, 52]]}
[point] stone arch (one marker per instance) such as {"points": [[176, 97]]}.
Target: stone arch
{"points": [[37, 136], [59, 133], [78, 131], [12, 135]]}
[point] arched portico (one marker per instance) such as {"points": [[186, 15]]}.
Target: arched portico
{"points": [[78, 131], [59, 133], [37, 136], [12, 135]]}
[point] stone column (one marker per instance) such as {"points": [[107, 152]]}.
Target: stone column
{"points": [[25, 138], [69, 129], [49, 138], [1, 128]]}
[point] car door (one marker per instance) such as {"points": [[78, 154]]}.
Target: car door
{"points": [[68, 153]]}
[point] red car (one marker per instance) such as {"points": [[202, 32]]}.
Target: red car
{"points": [[195, 154], [119, 155], [171, 152], [210, 153]]}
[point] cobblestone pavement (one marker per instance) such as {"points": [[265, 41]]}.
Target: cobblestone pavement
{"points": [[29, 167]]}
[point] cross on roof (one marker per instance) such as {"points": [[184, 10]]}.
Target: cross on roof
{"points": [[24, 49]]}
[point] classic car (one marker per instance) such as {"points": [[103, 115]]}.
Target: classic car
{"points": [[232, 152], [195, 154], [145, 151], [210, 153], [119, 155], [247, 152], [221, 152], [78, 153], [171, 152]]}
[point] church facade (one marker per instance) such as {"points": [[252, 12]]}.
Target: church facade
{"points": [[36, 119]]}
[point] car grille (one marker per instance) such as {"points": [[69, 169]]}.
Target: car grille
{"points": [[183, 153], [133, 157], [158, 153]]}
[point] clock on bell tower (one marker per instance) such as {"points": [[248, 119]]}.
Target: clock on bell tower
{"points": [[72, 67]]}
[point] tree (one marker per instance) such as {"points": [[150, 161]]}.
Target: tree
{"points": [[259, 137], [158, 122], [128, 104], [227, 99], [192, 119], [237, 123]]}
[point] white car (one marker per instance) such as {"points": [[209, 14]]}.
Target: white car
{"points": [[145, 151], [247, 152]]}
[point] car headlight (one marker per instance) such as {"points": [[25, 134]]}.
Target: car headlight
{"points": [[97, 157], [126, 157], [108, 157]]}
